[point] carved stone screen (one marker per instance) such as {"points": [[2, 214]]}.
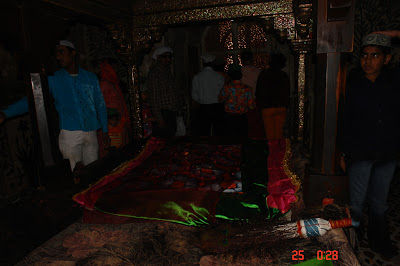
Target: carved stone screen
{"points": [[228, 39]]}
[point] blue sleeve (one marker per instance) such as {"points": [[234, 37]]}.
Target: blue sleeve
{"points": [[18, 108], [50, 81], [100, 107]]}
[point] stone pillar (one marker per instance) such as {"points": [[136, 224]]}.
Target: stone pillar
{"points": [[302, 49], [334, 36], [303, 45], [134, 98], [133, 44]]}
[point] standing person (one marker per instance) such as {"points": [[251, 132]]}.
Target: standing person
{"points": [[163, 95], [113, 97], [272, 94], [206, 87], [238, 100], [80, 105], [250, 75], [249, 71], [370, 137], [254, 153]]}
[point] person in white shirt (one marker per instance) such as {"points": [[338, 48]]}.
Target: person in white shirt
{"points": [[207, 111]]}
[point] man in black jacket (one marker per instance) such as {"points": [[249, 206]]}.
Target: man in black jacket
{"points": [[370, 137]]}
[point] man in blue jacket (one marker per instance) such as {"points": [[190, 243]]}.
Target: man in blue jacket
{"points": [[80, 105]]}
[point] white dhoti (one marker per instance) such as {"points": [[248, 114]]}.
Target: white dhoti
{"points": [[78, 146]]}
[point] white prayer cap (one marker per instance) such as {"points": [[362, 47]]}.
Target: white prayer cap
{"points": [[161, 50], [376, 39], [66, 43], [207, 58]]}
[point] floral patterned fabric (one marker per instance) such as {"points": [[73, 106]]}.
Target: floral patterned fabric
{"points": [[129, 244], [237, 97], [163, 243]]}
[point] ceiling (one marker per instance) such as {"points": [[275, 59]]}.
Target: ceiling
{"points": [[122, 11], [103, 10]]}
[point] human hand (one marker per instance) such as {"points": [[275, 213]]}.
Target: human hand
{"points": [[2, 117], [106, 140], [390, 33]]}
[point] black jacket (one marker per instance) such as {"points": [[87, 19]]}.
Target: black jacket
{"points": [[371, 121]]}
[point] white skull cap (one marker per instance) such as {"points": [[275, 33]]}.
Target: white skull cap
{"points": [[376, 39], [67, 43], [207, 58], [161, 50]]}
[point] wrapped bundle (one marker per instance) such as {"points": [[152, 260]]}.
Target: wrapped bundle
{"points": [[312, 227]]}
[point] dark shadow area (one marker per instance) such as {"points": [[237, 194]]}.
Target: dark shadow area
{"points": [[40, 213], [37, 215]]}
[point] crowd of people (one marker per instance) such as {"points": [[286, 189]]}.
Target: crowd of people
{"points": [[244, 102], [93, 115], [231, 103], [223, 102]]}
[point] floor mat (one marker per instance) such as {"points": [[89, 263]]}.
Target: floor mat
{"points": [[163, 243]]}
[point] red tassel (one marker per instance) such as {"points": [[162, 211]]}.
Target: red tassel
{"points": [[299, 228], [340, 223]]}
